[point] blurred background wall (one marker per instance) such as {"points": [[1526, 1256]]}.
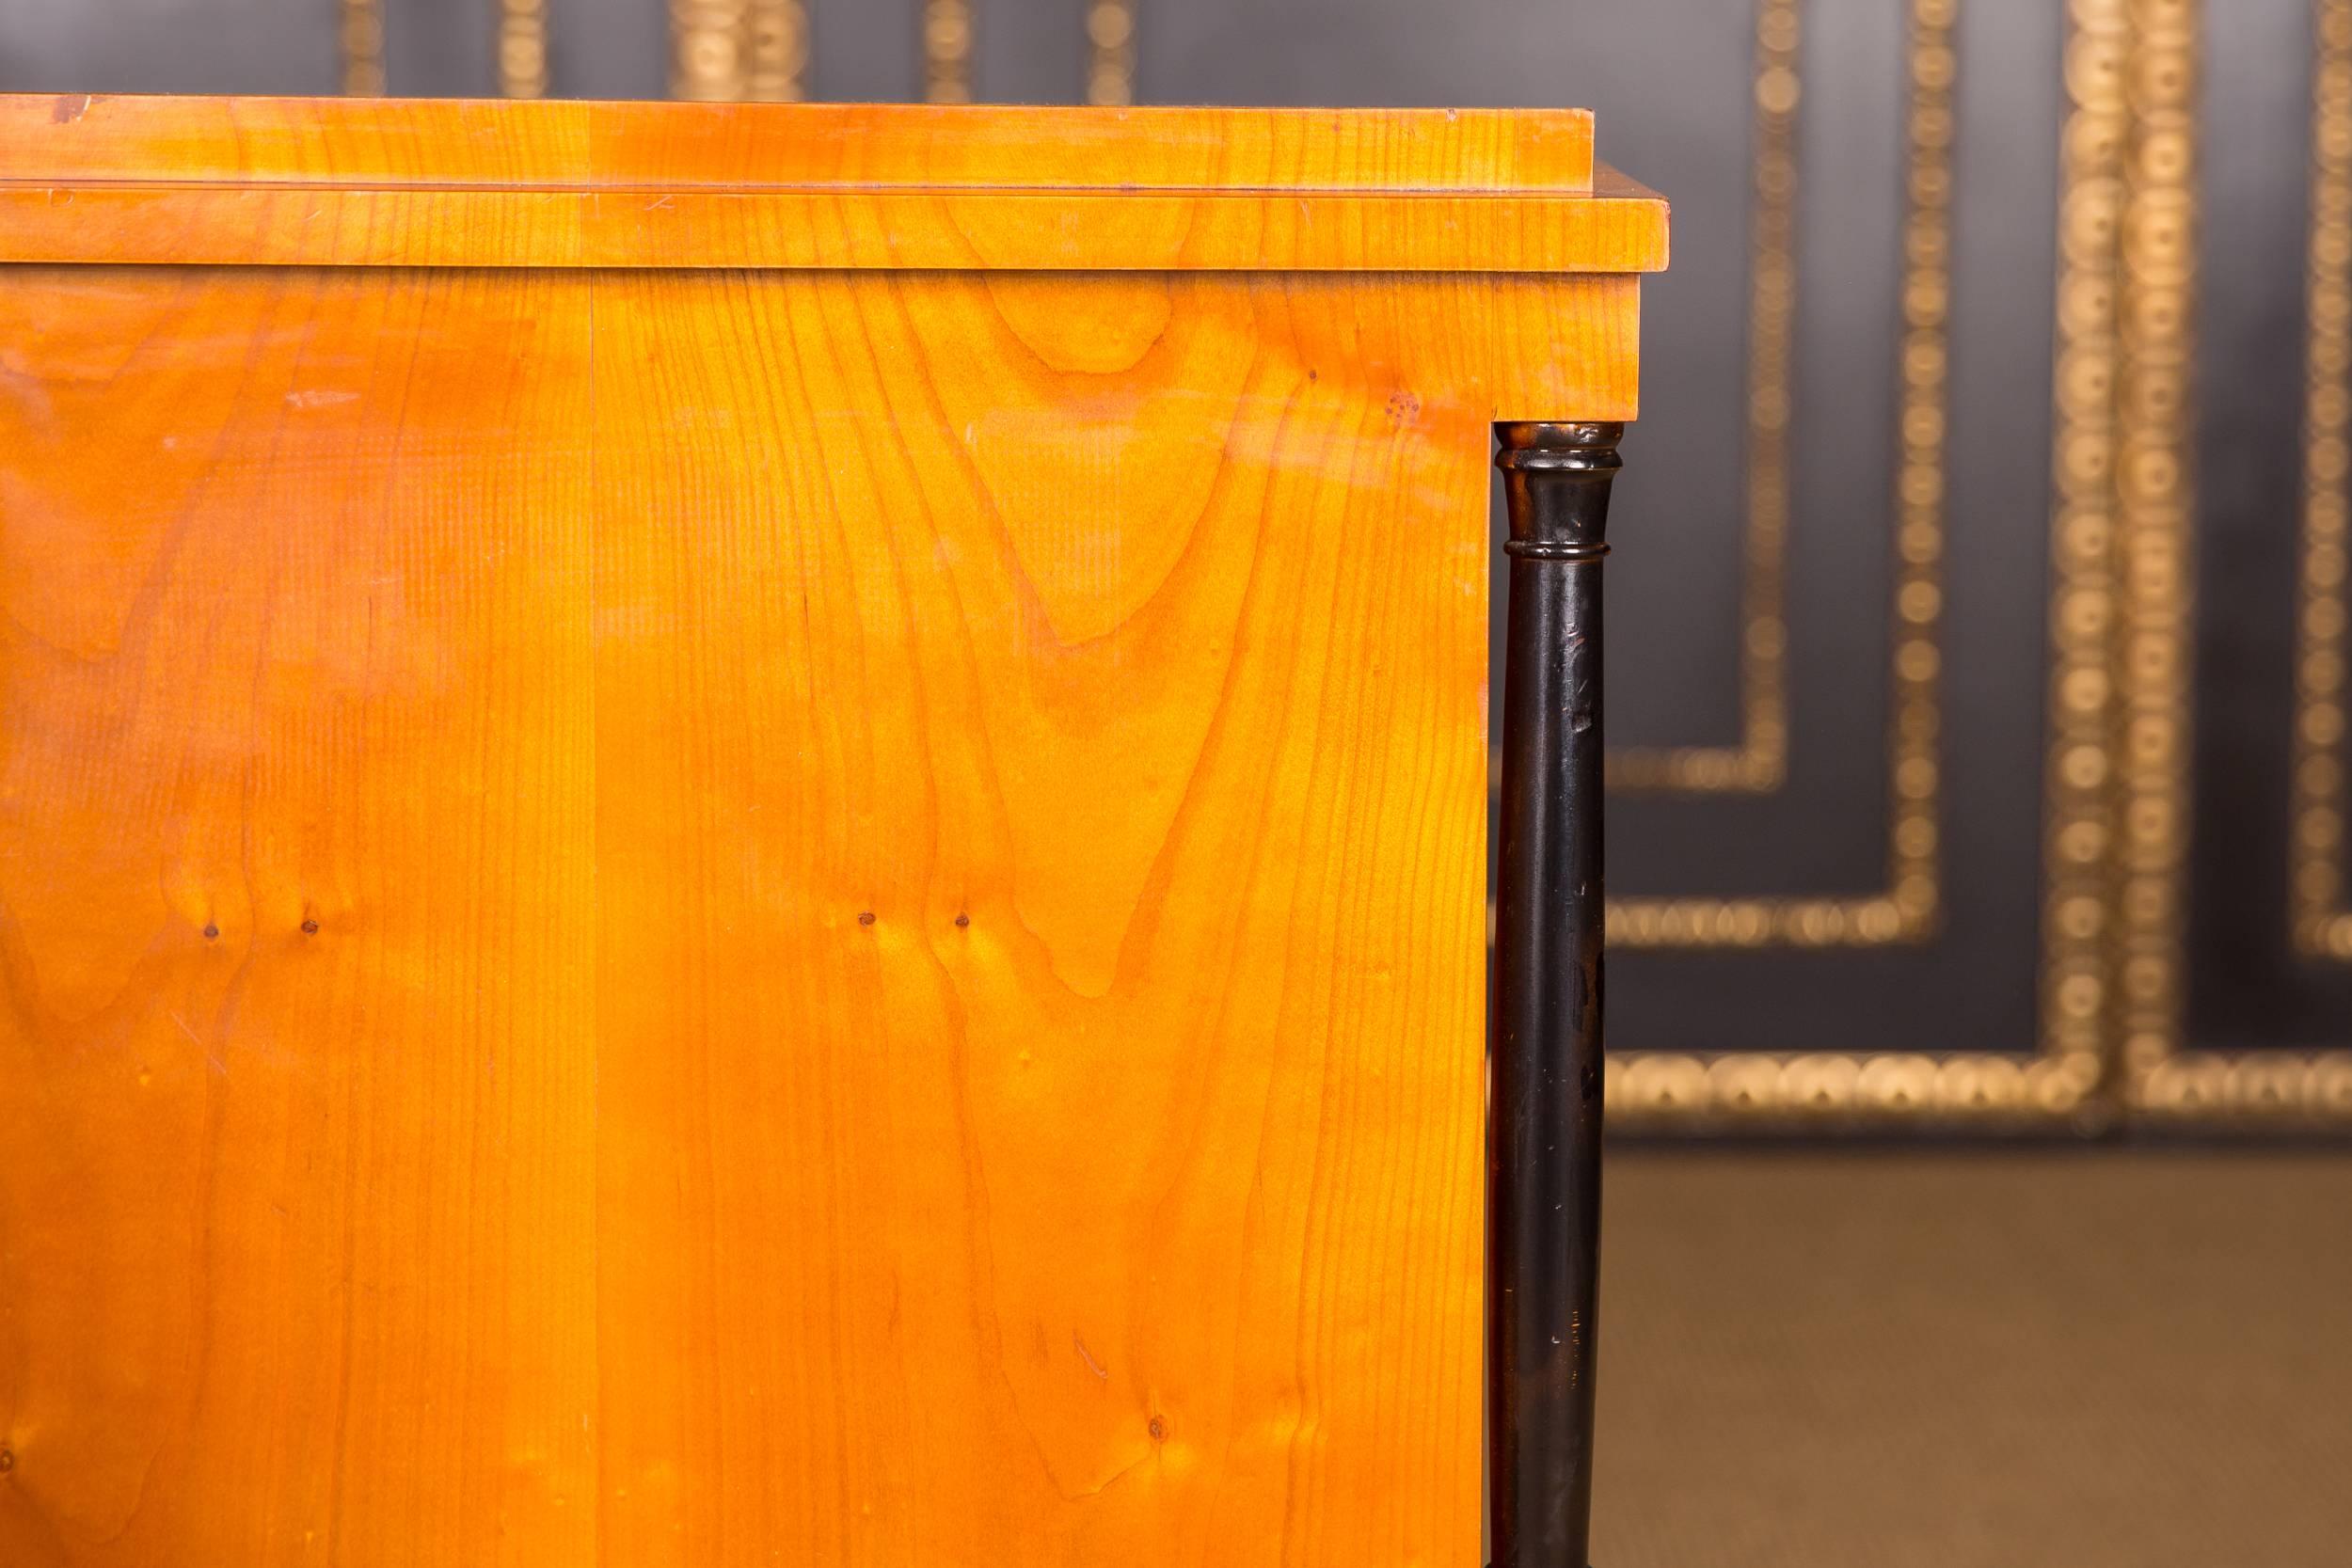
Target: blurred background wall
{"points": [[1979, 612]]}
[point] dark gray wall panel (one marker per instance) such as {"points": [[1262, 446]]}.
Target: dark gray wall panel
{"points": [[169, 46], [2249, 989]]}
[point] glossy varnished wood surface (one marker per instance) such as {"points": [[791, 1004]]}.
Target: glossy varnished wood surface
{"points": [[294, 182], [702, 918], [626, 145]]}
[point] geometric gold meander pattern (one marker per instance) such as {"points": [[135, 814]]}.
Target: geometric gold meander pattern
{"points": [[1664, 1087], [1757, 763], [2060, 1080], [1907, 910], [2161, 1079], [2116, 815], [2172, 1082]]}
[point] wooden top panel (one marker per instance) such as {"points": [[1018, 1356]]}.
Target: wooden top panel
{"points": [[379, 141], [436, 182]]}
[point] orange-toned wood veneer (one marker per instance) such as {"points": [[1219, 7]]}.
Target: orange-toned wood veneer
{"points": [[329, 182], [440, 141], [688, 917]]}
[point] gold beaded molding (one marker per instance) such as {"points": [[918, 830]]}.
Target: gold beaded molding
{"points": [[2319, 917], [1650, 1087], [778, 50], [1907, 910], [2154, 504], [2056, 1085], [2078, 806], [362, 38], [1111, 67], [523, 48], [1758, 763], [948, 51], [739, 49], [706, 40], [2164, 1081]]}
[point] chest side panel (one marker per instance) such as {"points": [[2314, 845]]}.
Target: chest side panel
{"points": [[676, 918]]}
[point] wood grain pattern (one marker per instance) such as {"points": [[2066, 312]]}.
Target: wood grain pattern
{"points": [[306, 182], [904, 230], [298, 1238], [657, 914], [714, 918], [417, 141]]}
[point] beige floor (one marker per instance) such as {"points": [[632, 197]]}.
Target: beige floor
{"points": [[2070, 1359]]}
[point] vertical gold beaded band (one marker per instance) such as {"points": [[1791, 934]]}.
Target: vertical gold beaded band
{"points": [[2154, 504], [1908, 907], [1757, 763], [725, 50], [2321, 922], [1111, 68], [710, 61], [2165, 1080], [362, 39], [948, 51], [1915, 745], [1998, 1084], [2077, 809], [778, 50], [523, 48]]}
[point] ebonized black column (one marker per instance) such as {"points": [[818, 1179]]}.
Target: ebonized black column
{"points": [[1544, 1048]]}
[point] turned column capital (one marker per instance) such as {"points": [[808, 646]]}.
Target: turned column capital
{"points": [[1556, 477]]}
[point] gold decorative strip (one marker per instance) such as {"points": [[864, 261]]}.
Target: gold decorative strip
{"points": [[2154, 515], [2321, 922], [1974, 1085], [362, 38], [948, 51], [2204, 1085], [710, 61], [1758, 763], [2314, 1086], [523, 48], [1111, 69], [778, 50], [1914, 742], [737, 49], [1837, 1085], [2079, 807], [1908, 909]]}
